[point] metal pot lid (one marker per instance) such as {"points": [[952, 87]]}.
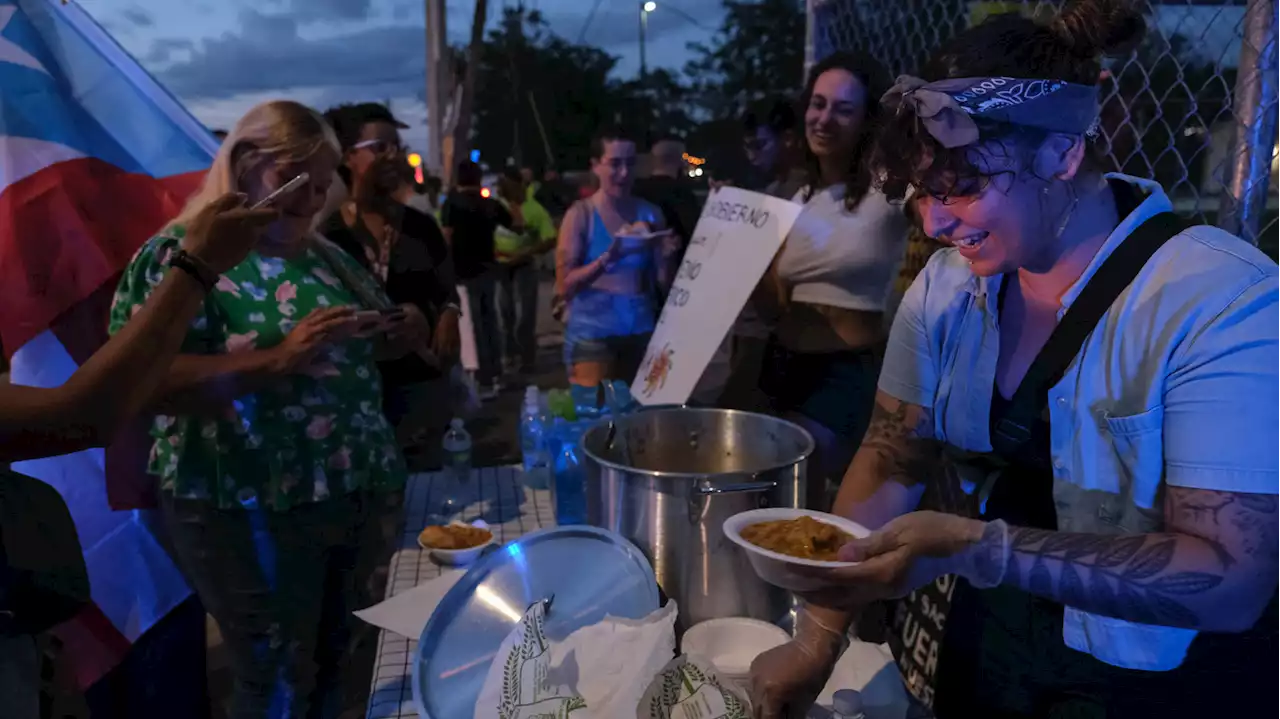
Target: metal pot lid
{"points": [[591, 573]]}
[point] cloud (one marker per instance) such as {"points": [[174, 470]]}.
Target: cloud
{"points": [[268, 54], [137, 16], [223, 113], [162, 50], [329, 10], [407, 9]]}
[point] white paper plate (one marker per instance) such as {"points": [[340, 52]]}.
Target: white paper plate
{"points": [[780, 569], [732, 643]]}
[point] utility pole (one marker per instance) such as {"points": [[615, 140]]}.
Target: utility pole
{"points": [[438, 83], [644, 26], [646, 7], [462, 126]]}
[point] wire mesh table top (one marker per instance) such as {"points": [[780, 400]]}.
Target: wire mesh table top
{"points": [[496, 496]]}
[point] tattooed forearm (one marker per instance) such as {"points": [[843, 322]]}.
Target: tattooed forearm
{"points": [[899, 438], [1215, 572], [1127, 576]]}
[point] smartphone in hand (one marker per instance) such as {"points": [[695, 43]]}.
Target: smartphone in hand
{"points": [[286, 188], [369, 322]]}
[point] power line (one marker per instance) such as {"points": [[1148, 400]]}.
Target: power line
{"points": [[668, 5], [587, 24]]}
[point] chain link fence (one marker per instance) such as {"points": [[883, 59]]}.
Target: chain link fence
{"points": [[1193, 108]]}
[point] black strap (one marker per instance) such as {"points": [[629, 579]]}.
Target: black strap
{"points": [[1115, 274]]}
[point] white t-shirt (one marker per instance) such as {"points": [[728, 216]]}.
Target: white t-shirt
{"points": [[842, 258]]}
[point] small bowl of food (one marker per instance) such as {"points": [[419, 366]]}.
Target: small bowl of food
{"points": [[457, 543], [789, 548]]}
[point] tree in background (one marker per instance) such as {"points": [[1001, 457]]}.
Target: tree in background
{"points": [[524, 65], [757, 52], [533, 81]]}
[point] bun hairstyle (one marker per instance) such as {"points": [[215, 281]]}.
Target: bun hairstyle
{"points": [[1069, 47], [1093, 28]]}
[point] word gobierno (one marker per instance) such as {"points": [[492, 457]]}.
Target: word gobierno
{"points": [[739, 212]]}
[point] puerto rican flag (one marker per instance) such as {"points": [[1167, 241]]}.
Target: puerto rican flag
{"points": [[95, 156]]}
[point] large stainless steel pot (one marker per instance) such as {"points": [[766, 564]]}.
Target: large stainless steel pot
{"points": [[689, 470]]}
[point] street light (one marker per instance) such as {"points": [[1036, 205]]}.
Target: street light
{"points": [[645, 8]]}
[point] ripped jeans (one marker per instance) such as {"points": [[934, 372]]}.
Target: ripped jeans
{"points": [[282, 587]]}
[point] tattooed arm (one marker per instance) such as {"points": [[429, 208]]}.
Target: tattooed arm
{"points": [[886, 477], [1215, 569]]}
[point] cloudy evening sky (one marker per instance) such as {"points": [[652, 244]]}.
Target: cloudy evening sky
{"points": [[222, 56]]}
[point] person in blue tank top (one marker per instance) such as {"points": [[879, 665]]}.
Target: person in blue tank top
{"points": [[614, 259]]}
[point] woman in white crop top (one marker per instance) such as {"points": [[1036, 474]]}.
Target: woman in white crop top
{"points": [[833, 276]]}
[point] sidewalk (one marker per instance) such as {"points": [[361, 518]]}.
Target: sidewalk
{"points": [[495, 430]]}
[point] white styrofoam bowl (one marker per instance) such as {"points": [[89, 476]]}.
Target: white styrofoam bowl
{"points": [[732, 643], [780, 570], [462, 557]]}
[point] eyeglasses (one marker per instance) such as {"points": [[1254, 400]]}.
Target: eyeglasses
{"points": [[379, 147]]}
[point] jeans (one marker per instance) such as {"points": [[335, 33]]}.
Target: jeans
{"points": [[482, 301], [282, 586], [518, 309]]}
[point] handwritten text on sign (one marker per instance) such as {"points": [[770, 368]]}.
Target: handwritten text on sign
{"points": [[737, 236]]}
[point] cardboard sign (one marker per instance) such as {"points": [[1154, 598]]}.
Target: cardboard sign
{"points": [[737, 236]]}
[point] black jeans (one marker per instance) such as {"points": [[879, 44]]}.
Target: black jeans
{"points": [[518, 310], [282, 586]]}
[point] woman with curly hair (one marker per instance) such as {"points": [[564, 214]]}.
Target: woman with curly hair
{"points": [[830, 284], [1086, 387]]}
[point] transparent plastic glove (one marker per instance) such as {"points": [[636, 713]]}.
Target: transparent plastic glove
{"points": [[786, 680], [912, 551]]}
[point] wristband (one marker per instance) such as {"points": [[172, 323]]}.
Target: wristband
{"points": [[195, 267]]}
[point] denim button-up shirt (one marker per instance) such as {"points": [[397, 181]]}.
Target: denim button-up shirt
{"points": [[1176, 385]]}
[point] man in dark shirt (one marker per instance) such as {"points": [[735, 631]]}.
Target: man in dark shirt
{"points": [[771, 141], [469, 220], [672, 191]]}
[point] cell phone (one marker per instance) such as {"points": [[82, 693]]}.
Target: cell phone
{"points": [[369, 320], [284, 189]]}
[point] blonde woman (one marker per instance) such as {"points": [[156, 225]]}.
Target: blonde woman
{"points": [[272, 451]]}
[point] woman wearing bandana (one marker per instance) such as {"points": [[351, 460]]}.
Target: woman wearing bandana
{"points": [[1086, 388]]}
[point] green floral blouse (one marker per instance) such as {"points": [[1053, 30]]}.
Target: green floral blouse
{"points": [[305, 439]]}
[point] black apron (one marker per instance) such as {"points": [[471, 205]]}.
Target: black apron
{"points": [[997, 653], [1003, 654]]}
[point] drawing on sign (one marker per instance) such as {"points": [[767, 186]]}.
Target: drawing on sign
{"points": [[659, 368]]}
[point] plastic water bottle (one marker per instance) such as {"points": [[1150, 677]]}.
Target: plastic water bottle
{"points": [[457, 468], [847, 704], [533, 441], [569, 488]]}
